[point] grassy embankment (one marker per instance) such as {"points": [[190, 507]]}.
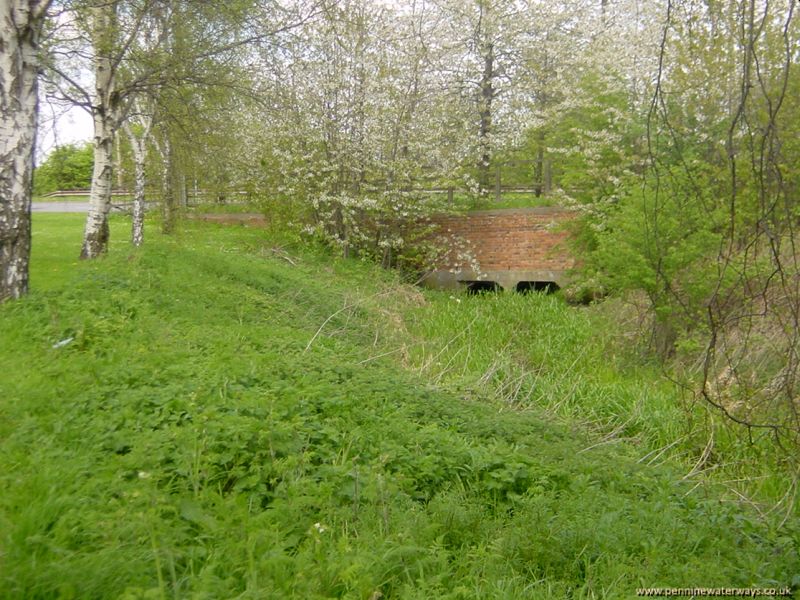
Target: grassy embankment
{"points": [[230, 419]]}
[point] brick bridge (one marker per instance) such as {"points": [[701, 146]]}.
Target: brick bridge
{"points": [[516, 249]]}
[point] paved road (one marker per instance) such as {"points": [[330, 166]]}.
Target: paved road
{"points": [[72, 207], [52, 207]]}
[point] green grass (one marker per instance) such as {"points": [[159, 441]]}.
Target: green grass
{"points": [[468, 202], [535, 351], [231, 418], [56, 246], [514, 200], [225, 208]]}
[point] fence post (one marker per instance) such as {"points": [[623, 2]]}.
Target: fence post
{"points": [[548, 177], [497, 195], [450, 195]]}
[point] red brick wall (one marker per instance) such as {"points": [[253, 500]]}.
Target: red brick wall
{"points": [[513, 239]]}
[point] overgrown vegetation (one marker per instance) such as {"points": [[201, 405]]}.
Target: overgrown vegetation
{"points": [[706, 236], [223, 415], [583, 367]]}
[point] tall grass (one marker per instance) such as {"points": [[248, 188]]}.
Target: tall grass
{"points": [[534, 352]]}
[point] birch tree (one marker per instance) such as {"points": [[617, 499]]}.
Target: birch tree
{"points": [[21, 24], [139, 46], [107, 34], [132, 59], [108, 112], [137, 128]]}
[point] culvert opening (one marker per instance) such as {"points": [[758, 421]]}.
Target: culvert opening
{"points": [[544, 287], [481, 287]]}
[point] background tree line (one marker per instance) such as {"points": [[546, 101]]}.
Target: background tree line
{"points": [[67, 167]]}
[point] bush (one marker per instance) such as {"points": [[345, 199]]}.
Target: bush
{"points": [[67, 167]]}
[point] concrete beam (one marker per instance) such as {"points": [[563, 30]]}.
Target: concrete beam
{"points": [[508, 280]]}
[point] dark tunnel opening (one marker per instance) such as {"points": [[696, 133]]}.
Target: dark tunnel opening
{"points": [[482, 287], [545, 287]]}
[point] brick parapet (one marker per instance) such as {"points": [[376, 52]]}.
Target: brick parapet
{"points": [[512, 239]]}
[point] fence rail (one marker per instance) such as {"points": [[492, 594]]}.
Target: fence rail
{"points": [[67, 193]]}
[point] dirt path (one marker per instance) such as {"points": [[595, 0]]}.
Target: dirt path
{"points": [[232, 218]]}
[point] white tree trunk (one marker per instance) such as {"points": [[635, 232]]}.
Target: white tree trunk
{"points": [[139, 146], [96, 234], [106, 113], [20, 27], [118, 162], [137, 229], [184, 192], [168, 199]]}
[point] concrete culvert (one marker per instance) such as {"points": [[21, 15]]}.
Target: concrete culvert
{"points": [[546, 287], [482, 287]]}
